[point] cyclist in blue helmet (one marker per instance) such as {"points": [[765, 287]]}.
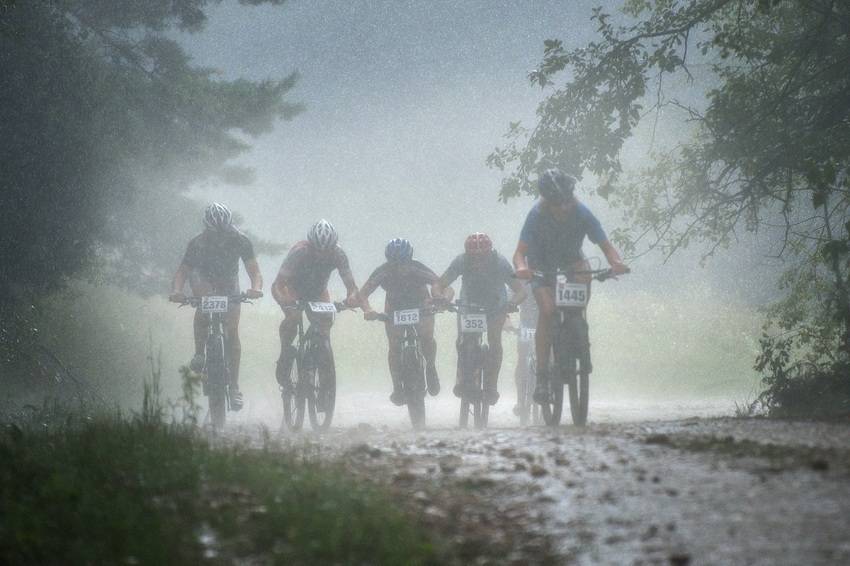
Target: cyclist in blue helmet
{"points": [[551, 239], [406, 283]]}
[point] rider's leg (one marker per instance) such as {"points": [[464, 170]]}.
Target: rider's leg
{"points": [[493, 363], [234, 353], [458, 388], [429, 350], [288, 330], [394, 360], [543, 340], [520, 377], [234, 346]]}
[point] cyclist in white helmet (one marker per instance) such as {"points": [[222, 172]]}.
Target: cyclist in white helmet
{"points": [[211, 265], [304, 275]]}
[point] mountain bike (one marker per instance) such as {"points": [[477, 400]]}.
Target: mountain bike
{"points": [[216, 372], [310, 386], [473, 354], [412, 361], [570, 344]]}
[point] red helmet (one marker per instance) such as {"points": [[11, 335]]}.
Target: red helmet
{"points": [[478, 243]]}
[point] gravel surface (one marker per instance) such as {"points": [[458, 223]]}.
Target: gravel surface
{"points": [[630, 490]]}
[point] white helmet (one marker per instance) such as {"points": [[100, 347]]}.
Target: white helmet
{"points": [[322, 235], [217, 216]]}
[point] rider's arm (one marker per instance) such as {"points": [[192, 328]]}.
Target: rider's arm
{"points": [[442, 287], [367, 289], [253, 269], [613, 257], [520, 261], [179, 281], [519, 292], [526, 239], [280, 290], [344, 269]]}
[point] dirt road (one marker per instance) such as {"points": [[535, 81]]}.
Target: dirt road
{"points": [[624, 490]]}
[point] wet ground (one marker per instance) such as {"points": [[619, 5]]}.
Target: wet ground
{"points": [[644, 483]]}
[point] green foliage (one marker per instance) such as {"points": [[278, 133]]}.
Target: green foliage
{"points": [[106, 124], [107, 491], [769, 147]]}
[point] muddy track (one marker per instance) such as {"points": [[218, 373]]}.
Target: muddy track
{"points": [[697, 491]]}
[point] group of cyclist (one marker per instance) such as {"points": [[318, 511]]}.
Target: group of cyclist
{"points": [[551, 239]]}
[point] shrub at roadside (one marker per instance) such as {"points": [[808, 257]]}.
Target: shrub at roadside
{"points": [[109, 491]]}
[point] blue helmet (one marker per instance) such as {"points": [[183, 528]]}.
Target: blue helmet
{"points": [[555, 185], [399, 249]]}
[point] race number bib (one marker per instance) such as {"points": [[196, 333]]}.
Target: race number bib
{"points": [[405, 317], [322, 307], [527, 334], [570, 294], [473, 322], [213, 304]]}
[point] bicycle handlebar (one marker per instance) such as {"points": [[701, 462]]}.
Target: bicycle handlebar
{"points": [[597, 274], [196, 301], [303, 305], [423, 311]]}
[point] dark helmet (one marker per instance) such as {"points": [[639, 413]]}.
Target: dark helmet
{"points": [[399, 249], [555, 185]]}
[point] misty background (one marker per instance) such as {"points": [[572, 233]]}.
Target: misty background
{"points": [[404, 101]]}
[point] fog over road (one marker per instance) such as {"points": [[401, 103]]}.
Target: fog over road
{"points": [[629, 489]]}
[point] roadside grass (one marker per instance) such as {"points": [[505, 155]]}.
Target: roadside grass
{"points": [[107, 490]]}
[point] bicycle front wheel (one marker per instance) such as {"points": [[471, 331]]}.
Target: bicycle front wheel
{"points": [[322, 396], [413, 377], [216, 374], [580, 395], [551, 410], [293, 403]]}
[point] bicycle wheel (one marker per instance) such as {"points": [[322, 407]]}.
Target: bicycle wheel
{"points": [[551, 410], [580, 394], [216, 373], [466, 368], [482, 406], [532, 409], [291, 400], [321, 399], [413, 377]]}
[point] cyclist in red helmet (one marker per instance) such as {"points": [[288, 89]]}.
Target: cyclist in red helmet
{"points": [[485, 277]]}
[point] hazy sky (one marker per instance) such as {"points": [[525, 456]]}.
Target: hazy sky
{"points": [[405, 99]]}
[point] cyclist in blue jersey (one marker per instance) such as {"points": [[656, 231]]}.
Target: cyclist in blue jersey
{"points": [[551, 239]]}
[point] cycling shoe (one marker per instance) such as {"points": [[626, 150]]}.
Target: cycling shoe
{"points": [[458, 390], [492, 396], [198, 362], [236, 400], [397, 398], [432, 380], [541, 393]]}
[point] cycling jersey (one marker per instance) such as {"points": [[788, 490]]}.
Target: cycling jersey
{"points": [[483, 284], [307, 270], [556, 243], [405, 284], [214, 257]]}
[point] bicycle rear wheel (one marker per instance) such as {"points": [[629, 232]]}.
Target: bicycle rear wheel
{"points": [[551, 410], [321, 399]]}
